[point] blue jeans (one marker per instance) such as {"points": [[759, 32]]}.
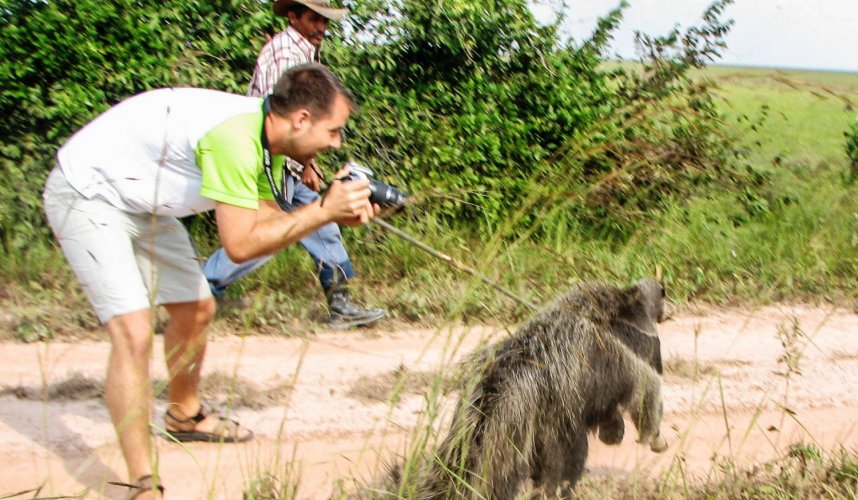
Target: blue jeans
{"points": [[325, 246]]}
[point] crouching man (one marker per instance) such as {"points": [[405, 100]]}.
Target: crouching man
{"points": [[113, 202]]}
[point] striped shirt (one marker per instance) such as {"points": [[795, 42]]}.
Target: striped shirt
{"points": [[286, 49]]}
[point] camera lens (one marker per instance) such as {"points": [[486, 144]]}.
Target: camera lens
{"points": [[386, 196]]}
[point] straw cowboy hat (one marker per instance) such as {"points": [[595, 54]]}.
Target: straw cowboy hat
{"points": [[323, 7]]}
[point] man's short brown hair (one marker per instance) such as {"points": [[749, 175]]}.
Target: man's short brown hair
{"points": [[309, 86]]}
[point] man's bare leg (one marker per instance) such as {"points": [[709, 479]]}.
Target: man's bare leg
{"points": [[184, 350], [128, 391]]}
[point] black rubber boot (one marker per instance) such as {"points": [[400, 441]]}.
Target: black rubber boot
{"points": [[346, 314]]}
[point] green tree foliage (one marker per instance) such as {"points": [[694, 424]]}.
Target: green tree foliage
{"points": [[65, 61], [470, 104], [467, 98], [475, 100]]}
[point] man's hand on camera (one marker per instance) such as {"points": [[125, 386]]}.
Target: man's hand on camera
{"points": [[348, 200], [310, 176]]}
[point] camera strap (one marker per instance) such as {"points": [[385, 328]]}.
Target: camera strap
{"points": [[287, 183]]}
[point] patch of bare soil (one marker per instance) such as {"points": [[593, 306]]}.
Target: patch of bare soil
{"points": [[739, 385]]}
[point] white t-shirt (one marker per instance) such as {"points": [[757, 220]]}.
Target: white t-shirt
{"points": [[140, 155]]}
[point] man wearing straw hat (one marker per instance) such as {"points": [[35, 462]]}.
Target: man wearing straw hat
{"points": [[300, 43]]}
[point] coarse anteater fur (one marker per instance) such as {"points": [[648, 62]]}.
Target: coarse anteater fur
{"points": [[531, 398]]}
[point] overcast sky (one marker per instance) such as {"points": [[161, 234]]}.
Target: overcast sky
{"points": [[812, 34]]}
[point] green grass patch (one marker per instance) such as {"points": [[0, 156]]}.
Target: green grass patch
{"points": [[790, 114]]}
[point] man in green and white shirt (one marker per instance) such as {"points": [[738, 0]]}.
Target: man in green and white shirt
{"points": [[113, 201], [300, 43]]}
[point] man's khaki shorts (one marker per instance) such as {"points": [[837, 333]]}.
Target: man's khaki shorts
{"points": [[125, 262]]}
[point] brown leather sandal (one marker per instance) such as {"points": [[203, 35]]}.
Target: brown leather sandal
{"points": [[226, 430], [143, 484]]}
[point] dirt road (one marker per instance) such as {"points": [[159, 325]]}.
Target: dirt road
{"points": [[741, 385]]}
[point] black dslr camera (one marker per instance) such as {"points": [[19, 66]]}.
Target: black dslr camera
{"points": [[380, 193]]}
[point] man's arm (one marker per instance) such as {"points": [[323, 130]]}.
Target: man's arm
{"points": [[246, 233]]}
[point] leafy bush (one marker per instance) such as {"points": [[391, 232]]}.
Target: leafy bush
{"points": [[485, 115], [466, 98], [471, 105], [65, 61]]}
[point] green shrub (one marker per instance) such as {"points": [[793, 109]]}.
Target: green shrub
{"points": [[500, 129], [471, 105], [66, 61], [485, 114]]}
